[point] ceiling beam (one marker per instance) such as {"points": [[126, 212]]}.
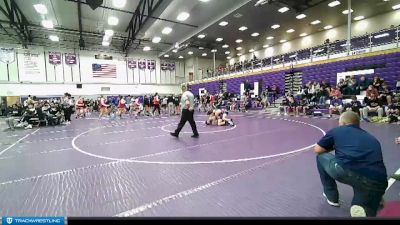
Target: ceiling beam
{"points": [[17, 21], [81, 41], [139, 19], [135, 13]]}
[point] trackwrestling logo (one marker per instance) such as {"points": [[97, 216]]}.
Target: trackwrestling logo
{"points": [[33, 220]]}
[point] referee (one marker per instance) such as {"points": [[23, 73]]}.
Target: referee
{"points": [[187, 104]]}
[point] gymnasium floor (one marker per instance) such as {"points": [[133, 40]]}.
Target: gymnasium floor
{"points": [[263, 167]]}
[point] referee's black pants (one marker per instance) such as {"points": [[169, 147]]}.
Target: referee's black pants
{"points": [[187, 115]]}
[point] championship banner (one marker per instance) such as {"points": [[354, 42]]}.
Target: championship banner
{"points": [[142, 64], [7, 55], [164, 66], [151, 65], [171, 67], [132, 64], [55, 58], [30, 64], [70, 59]]}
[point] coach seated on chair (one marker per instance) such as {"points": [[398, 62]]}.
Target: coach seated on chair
{"points": [[357, 162]]}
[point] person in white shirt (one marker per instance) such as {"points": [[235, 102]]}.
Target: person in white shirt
{"points": [[187, 106]]}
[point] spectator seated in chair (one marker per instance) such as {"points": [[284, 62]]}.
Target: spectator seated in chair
{"points": [[363, 84], [54, 115], [354, 105], [336, 106], [373, 105], [289, 104], [385, 95], [302, 107], [393, 110]]}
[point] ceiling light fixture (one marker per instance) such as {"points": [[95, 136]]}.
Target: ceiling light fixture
{"points": [[282, 41], [175, 50], [54, 38], [347, 11], [214, 50], [166, 30], [40, 8], [201, 36], [290, 31], [156, 40], [109, 33], [239, 48], [219, 39], [328, 27], [105, 43], [255, 34], [119, 3], [265, 46], [334, 3], [270, 38], [204, 54], [227, 52], [146, 48], [396, 7], [301, 16], [276, 26], [166, 56], [183, 16], [303, 34], [239, 41], [283, 9], [251, 50], [48, 24], [223, 23], [112, 21], [106, 38], [190, 53], [359, 18], [243, 28], [181, 57], [225, 46], [315, 22]]}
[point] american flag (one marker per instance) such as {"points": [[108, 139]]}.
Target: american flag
{"points": [[104, 70]]}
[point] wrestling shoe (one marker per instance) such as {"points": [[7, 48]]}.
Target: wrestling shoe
{"points": [[335, 204]]}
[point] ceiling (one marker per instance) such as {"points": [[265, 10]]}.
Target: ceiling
{"points": [[64, 14], [204, 19], [260, 19]]}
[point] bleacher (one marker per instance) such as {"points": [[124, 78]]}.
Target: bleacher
{"points": [[385, 62]]}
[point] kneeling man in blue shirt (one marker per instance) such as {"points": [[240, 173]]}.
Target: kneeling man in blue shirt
{"points": [[357, 162]]}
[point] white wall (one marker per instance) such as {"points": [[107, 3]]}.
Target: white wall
{"points": [[82, 72], [18, 89], [368, 25]]}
